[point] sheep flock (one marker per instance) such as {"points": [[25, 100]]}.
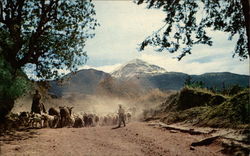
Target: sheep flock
{"points": [[63, 117]]}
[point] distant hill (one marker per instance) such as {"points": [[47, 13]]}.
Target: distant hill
{"points": [[167, 81], [175, 81], [84, 81], [138, 77], [217, 79]]}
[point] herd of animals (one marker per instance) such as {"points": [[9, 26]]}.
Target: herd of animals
{"points": [[64, 117]]}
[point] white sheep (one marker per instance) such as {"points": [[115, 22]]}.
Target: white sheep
{"points": [[35, 119], [51, 120]]}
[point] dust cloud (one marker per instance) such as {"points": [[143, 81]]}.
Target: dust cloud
{"points": [[97, 104]]}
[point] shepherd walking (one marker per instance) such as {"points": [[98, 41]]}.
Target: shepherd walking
{"points": [[37, 106], [121, 113]]}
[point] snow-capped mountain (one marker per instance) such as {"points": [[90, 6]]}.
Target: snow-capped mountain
{"points": [[137, 67]]}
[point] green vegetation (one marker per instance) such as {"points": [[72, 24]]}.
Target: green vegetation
{"points": [[48, 36], [232, 113], [229, 89], [193, 97], [194, 84], [204, 108], [10, 88]]}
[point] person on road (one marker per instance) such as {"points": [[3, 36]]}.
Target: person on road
{"points": [[121, 114], [37, 107]]}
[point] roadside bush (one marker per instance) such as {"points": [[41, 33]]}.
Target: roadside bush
{"points": [[232, 113], [204, 108], [194, 97]]}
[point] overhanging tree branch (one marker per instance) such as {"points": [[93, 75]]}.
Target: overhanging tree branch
{"points": [[42, 30], [224, 16], [246, 12]]}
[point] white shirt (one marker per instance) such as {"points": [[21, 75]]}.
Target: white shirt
{"points": [[121, 111]]}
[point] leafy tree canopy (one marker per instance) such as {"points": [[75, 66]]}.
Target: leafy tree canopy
{"points": [[49, 34], [12, 88], [187, 21]]}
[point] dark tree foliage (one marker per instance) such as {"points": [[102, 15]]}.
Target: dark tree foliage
{"points": [[187, 21], [193, 84], [10, 88], [188, 81], [49, 34]]}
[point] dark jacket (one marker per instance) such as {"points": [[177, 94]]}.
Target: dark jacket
{"points": [[36, 107]]}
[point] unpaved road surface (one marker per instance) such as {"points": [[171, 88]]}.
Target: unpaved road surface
{"points": [[136, 138]]}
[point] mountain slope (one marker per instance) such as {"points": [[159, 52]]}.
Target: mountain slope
{"points": [[218, 79], [168, 81], [175, 80], [84, 81], [138, 77]]}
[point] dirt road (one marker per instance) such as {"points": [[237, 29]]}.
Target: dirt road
{"points": [[135, 139]]}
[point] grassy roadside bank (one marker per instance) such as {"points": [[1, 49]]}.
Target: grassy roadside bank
{"points": [[202, 107]]}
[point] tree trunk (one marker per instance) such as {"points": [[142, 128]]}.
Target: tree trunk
{"points": [[5, 107], [246, 12]]}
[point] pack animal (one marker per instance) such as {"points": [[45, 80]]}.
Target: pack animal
{"points": [[51, 121], [78, 122], [66, 119], [24, 119], [57, 117], [128, 115], [36, 119], [85, 120]]}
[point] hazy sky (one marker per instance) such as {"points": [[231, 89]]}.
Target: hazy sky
{"points": [[124, 25]]}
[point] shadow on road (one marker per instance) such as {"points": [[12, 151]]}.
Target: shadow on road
{"points": [[117, 127], [17, 135]]}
